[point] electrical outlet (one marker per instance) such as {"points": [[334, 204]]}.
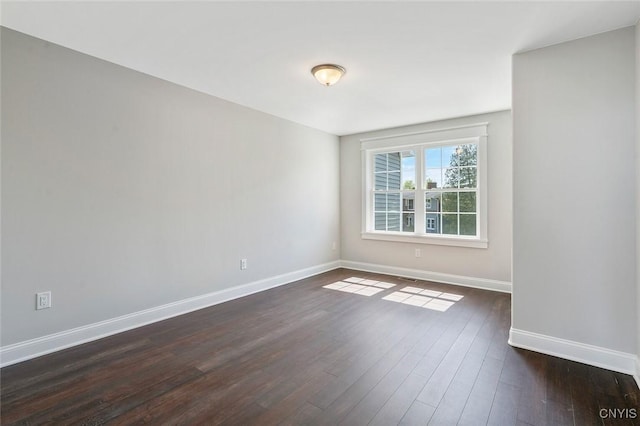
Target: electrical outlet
{"points": [[43, 300], [334, 246], [418, 253], [243, 264]]}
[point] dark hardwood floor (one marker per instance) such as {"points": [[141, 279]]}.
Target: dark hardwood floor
{"points": [[304, 354]]}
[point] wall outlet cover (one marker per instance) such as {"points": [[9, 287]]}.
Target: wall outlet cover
{"points": [[43, 300]]}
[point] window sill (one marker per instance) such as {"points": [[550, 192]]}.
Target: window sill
{"points": [[424, 239]]}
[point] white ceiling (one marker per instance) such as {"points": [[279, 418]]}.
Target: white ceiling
{"points": [[407, 62]]}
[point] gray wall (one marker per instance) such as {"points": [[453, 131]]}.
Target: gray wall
{"points": [[493, 263], [574, 191], [122, 192]]}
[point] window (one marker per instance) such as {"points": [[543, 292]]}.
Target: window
{"points": [[427, 187]]}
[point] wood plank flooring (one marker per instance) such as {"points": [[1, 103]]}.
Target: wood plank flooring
{"points": [[304, 354]]}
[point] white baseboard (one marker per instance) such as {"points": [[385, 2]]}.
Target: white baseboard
{"points": [[597, 356], [33, 348], [636, 375], [483, 283]]}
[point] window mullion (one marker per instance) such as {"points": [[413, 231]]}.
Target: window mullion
{"points": [[458, 209], [420, 213]]}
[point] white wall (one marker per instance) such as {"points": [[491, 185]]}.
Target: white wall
{"points": [[122, 192], [493, 263], [574, 192]]}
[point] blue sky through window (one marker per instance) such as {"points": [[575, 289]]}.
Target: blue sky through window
{"points": [[408, 167]]}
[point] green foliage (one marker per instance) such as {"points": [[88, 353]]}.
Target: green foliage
{"points": [[468, 202], [462, 167], [450, 202], [450, 224], [409, 184], [467, 224]]}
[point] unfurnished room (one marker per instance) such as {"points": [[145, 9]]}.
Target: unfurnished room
{"points": [[320, 213]]}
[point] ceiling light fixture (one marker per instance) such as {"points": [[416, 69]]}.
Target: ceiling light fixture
{"points": [[328, 74]]}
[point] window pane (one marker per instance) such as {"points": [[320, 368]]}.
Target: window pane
{"points": [[451, 177], [433, 158], [432, 202], [467, 224], [408, 170], [468, 177], [408, 200], [407, 222], [394, 180], [393, 202], [433, 178], [467, 202], [381, 163], [380, 202], [393, 222], [449, 156], [381, 221], [432, 223], [393, 161], [381, 181], [450, 224], [468, 155], [450, 202]]}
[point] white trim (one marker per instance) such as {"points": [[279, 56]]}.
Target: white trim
{"points": [[461, 280], [581, 352], [636, 375], [434, 239], [22, 351], [425, 136]]}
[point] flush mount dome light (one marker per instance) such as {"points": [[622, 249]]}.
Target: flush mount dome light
{"points": [[328, 74]]}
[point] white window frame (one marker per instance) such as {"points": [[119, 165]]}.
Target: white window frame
{"points": [[473, 133]]}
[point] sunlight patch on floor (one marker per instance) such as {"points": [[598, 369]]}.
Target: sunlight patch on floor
{"points": [[361, 286], [409, 295], [424, 298]]}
